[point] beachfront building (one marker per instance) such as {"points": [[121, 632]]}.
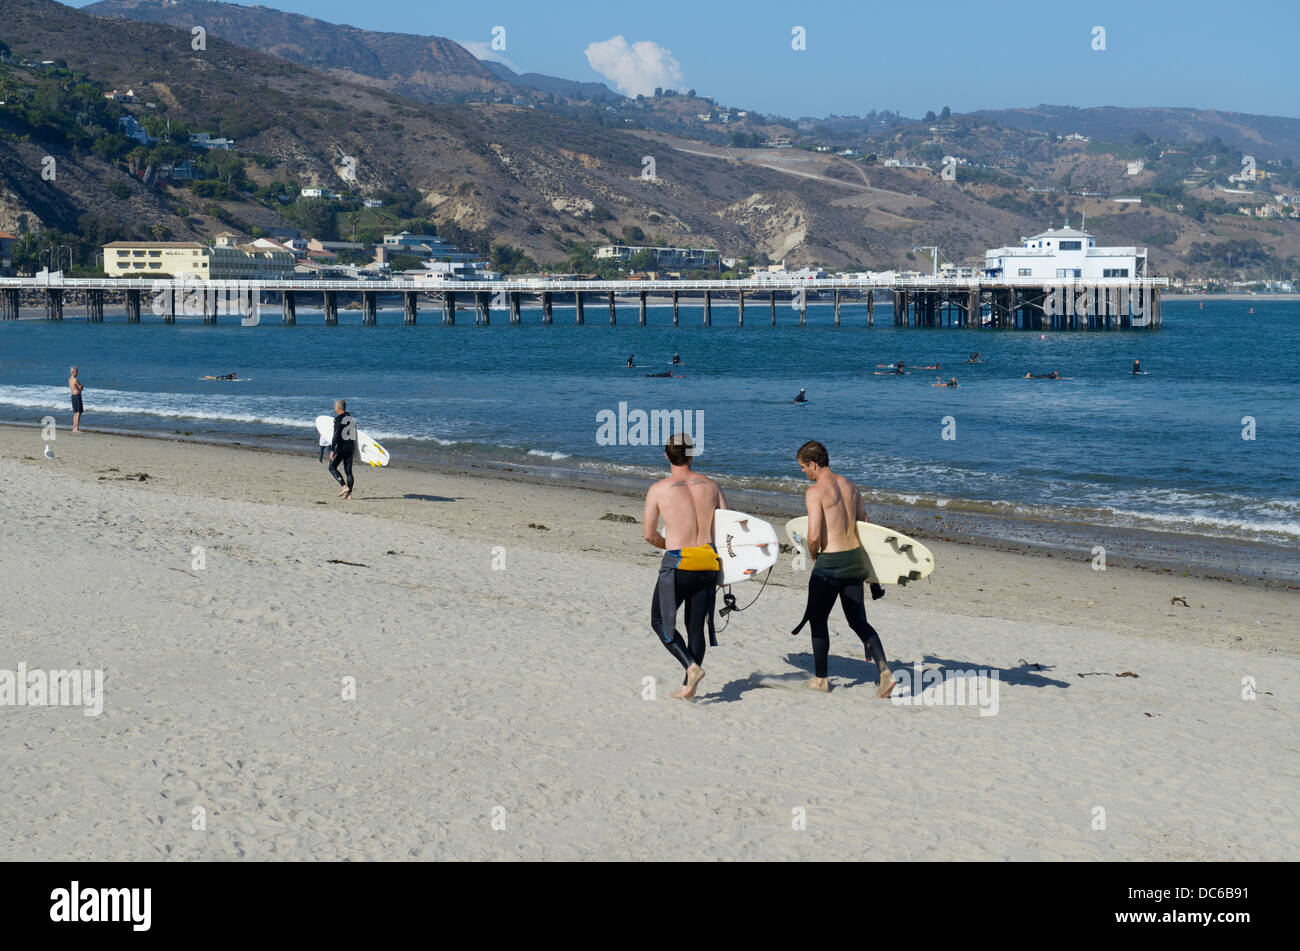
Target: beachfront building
{"points": [[225, 260], [264, 260], [667, 259], [427, 246], [1064, 254], [455, 271], [155, 258], [780, 274]]}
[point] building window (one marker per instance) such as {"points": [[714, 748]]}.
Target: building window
{"points": [[1115, 272], [1070, 246], [1025, 272]]}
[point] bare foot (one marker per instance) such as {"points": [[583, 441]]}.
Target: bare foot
{"points": [[694, 674], [819, 683], [887, 684], [343, 491]]}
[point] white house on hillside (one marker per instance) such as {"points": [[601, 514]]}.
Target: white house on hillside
{"points": [[1064, 254]]}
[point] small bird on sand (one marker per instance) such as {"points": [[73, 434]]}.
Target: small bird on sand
{"points": [[49, 454]]}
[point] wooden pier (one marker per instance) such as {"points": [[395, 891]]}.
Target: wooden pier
{"points": [[923, 303]]}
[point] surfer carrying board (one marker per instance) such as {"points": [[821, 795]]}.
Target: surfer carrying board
{"points": [[688, 573], [835, 507], [343, 446]]}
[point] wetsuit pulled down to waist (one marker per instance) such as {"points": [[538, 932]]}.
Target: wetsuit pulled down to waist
{"points": [[839, 575], [696, 587], [851, 565], [696, 558]]}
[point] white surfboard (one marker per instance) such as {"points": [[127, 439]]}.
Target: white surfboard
{"points": [[369, 451], [747, 546], [894, 558]]}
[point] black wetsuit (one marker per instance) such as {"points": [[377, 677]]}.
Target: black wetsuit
{"points": [[342, 449], [839, 575], [698, 590]]}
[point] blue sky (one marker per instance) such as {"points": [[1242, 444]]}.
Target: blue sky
{"points": [[907, 57]]}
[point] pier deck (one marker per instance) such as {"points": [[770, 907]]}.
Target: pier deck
{"points": [[919, 302]]}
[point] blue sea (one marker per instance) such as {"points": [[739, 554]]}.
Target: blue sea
{"points": [[1164, 450]]}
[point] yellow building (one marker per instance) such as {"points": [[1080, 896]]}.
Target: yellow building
{"points": [[224, 261], [155, 258]]}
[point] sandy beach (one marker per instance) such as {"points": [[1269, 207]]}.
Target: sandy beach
{"points": [[498, 638]]}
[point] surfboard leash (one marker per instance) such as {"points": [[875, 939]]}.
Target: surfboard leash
{"points": [[729, 599]]}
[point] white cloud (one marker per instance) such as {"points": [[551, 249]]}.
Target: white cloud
{"points": [[635, 68]]}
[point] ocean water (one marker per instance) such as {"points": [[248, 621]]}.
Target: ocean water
{"points": [[1164, 450]]}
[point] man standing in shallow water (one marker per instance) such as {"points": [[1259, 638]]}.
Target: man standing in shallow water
{"points": [[75, 388], [835, 507], [689, 570]]}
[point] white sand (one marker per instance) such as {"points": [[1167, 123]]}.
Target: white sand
{"points": [[522, 689]]}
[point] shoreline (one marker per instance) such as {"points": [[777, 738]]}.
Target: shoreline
{"points": [[1156, 552]]}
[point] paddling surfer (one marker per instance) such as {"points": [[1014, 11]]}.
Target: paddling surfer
{"points": [[835, 507], [688, 573]]}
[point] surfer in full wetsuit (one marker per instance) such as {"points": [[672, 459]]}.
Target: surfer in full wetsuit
{"points": [[343, 446], [677, 359], [629, 360], [835, 507], [802, 397], [1137, 366], [689, 571]]}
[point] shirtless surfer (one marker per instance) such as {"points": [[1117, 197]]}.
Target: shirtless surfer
{"points": [[835, 507], [689, 571], [75, 388]]}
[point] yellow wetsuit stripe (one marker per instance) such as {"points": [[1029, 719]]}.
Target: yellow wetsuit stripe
{"points": [[699, 558]]}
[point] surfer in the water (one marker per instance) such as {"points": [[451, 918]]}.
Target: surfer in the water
{"points": [[835, 507], [801, 398], [630, 362], [677, 359], [343, 446], [1137, 366], [688, 573], [224, 376], [1043, 376]]}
